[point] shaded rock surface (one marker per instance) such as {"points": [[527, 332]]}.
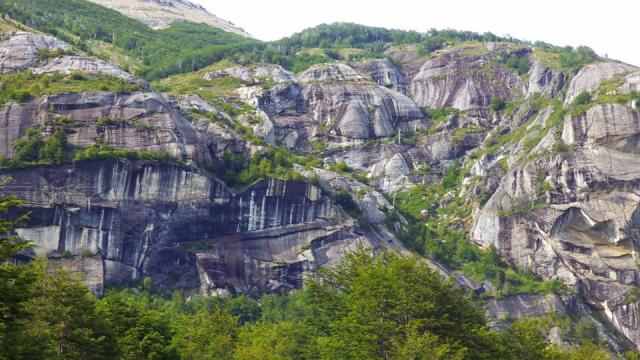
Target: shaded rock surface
{"points": [[138, 121], [182, 227], [573, 216], [384, 73]]}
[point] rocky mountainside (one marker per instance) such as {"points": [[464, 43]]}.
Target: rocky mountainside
{"points": [[159, 14], [247, 176]]}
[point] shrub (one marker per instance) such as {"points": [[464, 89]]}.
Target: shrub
{"points": [[54, 149], [580, 103], [581, 99], [102, 151], [497, 104], [28, 147], [278, 163], [77, 75], [518, 63], [341, 167]]}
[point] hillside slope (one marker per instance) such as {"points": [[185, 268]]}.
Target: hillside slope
{"points": [[159, 14], [245, 176]]}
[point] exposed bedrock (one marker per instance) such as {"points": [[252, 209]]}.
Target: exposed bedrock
{"points": [[138, 121], [573, 217], [21, 50], [168, 222], [466, 79]]}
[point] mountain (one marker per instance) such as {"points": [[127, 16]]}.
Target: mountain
{"points": [[160, 14], [217, 165]]}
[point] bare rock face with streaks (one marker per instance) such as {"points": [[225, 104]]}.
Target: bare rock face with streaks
{"points": [[255, 74], [384, 73], [138, 121], [180, 226], [591, 76], [466, 78], [573, 216]]}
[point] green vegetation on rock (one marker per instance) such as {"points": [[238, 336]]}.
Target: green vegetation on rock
{"points": [[441, 235], [566, 58], [276, 162], [101, 151], [185, 47], [24, 86]]}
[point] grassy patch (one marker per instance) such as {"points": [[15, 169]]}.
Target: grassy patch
{"points": [[439, 115], [114, 55], [24, 86], [565, 59]]}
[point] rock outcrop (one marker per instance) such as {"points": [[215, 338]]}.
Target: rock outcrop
{"points": [[84, 64], [465, 78], [21, 50], [592, 75], [139, 121], [545, 80], [554, 188], [572, 216], [256, 74], [384, 73]]}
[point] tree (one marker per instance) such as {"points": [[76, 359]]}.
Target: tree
{"points": [[370, 307], [141, 332], [32, 148], [206, 336], [427, 346], [65, 320], [16, 287], [54, 149], [276, 341], [28, 147]]}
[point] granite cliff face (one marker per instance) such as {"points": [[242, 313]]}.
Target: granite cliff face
{"points": [[180, 226], [551, 184], [572, 216], [466, 79], [117, 221]]}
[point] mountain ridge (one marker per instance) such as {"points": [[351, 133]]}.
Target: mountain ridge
{"points": [[160, 14]]}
